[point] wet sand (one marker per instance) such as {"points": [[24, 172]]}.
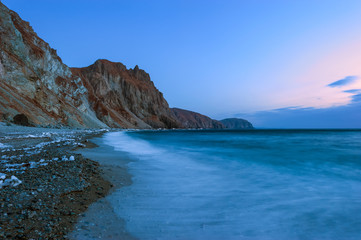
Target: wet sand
{"points": [[107, 225]]}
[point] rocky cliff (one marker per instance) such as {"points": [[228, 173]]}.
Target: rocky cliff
{"points": [[124, 97], [37, 88], [236, 123], [34, 81], [190, 119]]}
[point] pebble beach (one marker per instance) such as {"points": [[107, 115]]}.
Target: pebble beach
{"points": [[44, 185]]}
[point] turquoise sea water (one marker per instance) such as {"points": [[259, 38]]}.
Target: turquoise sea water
{"points": [[261, 184]]}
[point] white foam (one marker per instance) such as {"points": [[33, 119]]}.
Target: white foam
{"points": [[121, 141]]}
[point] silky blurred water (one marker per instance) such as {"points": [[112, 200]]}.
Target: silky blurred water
{"points": [[260, 184]]}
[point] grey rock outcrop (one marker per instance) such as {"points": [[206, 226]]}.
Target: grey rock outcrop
{"points": [[236, 123], [35, 82]]}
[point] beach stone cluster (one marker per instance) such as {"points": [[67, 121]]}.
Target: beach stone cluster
{"points": [[43, 193]]}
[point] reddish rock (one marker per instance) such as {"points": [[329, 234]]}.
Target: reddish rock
{"points": [[36, 88], [191, 119], [124, 97]]}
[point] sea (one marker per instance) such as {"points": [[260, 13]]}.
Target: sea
{"points": [[242, 184]]}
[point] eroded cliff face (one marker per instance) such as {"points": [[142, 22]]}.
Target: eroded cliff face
{"points": [[125, 98], [35, 82], [190, 119], [36, 88]]}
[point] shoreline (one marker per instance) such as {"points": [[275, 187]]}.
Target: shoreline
{"points": [[114, 169], [45, 186]]}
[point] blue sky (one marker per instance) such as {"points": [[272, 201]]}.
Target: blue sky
{"points": [[270, 61]]}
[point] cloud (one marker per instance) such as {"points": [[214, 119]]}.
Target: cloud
{"points": [[347, 116], [354, 91], [286, 108], [356, 98], [343, 82], [291, 109]]}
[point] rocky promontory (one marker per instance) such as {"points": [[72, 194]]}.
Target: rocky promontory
{"points": [[236, 123], [190, 119]]}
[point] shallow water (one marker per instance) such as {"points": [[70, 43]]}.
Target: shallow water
{"points": [[264, 184]]}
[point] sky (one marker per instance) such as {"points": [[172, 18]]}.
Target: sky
{"points": [[279, 64]]}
